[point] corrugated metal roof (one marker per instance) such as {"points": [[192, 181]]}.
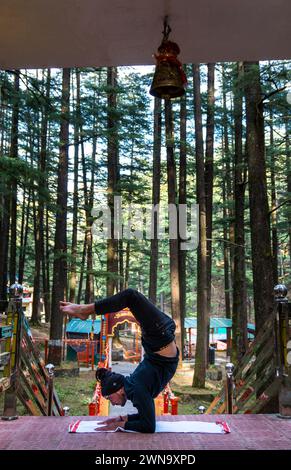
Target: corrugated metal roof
{"points": [[214, 323], [83, 326]]}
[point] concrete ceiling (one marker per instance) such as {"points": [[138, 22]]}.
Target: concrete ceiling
{"points": [[80, 33]]}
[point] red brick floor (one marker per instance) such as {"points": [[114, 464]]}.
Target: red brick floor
{"points": [[266, 432]]}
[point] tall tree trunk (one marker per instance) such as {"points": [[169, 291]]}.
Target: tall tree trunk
{"points": [[35, 316], [87, 251], [127, 259], [13, 204], [263, 282], [89, 293], [228, 228], [86, 205], [44, 216], [73, 270], [209, 182], [229, 177], [174, 242], [60, 248], [82, 270], [112, 152], [202, 314], [21, 241], [183, 200], [121, 265], [39, 232], [154, 258], [124, 269], [274, 202], [239, 316], [3, 118], [89, 298], [288, 167], [46, 269], [4, 235], [226, 260], [24, 235], [4, 198]]}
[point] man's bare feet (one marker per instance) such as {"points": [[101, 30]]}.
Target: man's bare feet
{"points": [[76, 310]]}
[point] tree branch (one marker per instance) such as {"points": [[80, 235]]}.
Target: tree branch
{"points": [[280, 205]]}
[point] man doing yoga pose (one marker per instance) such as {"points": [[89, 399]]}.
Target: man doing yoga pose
{"points": [[152, 374]]}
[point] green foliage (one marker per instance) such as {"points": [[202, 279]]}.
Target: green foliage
{"points": [[134, 131], [25, 175]]}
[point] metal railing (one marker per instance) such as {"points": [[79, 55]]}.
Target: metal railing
{"points": [[25, 376], [262, 379]]}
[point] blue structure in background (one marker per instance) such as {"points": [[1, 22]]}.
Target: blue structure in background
{"points": [[81, 329], [218, 327]]}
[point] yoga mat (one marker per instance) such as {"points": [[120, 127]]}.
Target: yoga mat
{"points": [[220, 427]]}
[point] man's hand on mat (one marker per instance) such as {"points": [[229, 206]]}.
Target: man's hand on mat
{"points": [[111, 426], [110, 420], [76, 310]]}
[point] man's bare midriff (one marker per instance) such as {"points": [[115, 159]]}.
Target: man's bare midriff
{"points": [[169, 351]]}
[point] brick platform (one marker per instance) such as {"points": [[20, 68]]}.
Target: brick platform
{"points": [[266, 432]]}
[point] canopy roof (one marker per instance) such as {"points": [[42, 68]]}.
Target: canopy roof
{"points": [[214, 323], [83, 326], [81, 33]]}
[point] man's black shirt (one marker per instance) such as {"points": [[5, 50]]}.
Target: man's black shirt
{"points": [[145, 384]]}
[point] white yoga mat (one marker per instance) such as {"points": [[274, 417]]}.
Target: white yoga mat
{"points": [[220, 427]]}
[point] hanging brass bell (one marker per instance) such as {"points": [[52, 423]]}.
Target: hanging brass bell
{"points": [[169, 78]]}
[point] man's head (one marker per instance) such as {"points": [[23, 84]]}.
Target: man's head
{"points": [[111, 386]]}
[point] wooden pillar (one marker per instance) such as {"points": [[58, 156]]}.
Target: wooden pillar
{"points": [[109, 339], [87, 352], [14, 317], [137, 333], [92, 354], [284, 315], [190, 345]]}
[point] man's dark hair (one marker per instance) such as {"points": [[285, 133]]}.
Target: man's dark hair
{"points": [[110, 382]]}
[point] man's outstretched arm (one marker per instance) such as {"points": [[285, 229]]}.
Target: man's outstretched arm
{"points": [[114, 303], [145, 420]]}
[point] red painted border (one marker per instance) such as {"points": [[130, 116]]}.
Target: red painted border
{"points": [[224, 425]]}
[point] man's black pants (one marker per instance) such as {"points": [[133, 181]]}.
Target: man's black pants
{"points": [[157, 328]]}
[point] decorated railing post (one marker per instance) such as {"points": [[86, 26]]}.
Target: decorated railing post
{"points": [[166, 400], [229, 368], [283, 320], [174, 405], [66, 410], [14, 318], [50, 385]]}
